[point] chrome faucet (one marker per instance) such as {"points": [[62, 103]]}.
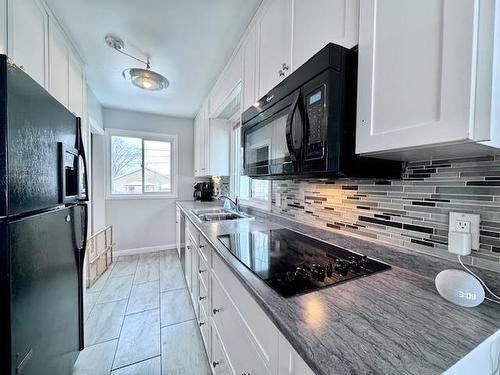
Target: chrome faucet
{"points": [[235, 202]]}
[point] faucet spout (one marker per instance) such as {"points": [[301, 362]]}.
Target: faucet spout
{"points": [[235, 202]]}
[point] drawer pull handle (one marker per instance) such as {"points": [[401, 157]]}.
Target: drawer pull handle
{"points": [[201, 271], [202, 246], [215, 364], [201, 298], [201, 323], [215, 311]]}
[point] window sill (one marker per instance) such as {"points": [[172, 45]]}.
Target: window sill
{"points": [[141, 197], [257, 203]]}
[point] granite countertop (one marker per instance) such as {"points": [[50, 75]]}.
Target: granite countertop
{"points": [[390, 322]]}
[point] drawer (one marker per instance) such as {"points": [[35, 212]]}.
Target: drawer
{"points": [[218, 359], [205, 249], [204, 325], [243, 353], [191, 229], [203, 270], [203, 299], [263, 331]]}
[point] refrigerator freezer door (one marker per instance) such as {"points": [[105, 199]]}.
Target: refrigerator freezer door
{"points": [[46, 295], [32, 122]]}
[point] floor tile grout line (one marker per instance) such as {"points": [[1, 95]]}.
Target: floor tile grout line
{"points": [[134, 363], [176, 323], [121, 327]]}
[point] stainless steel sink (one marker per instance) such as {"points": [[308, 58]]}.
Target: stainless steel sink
{"points": [[220, 214]]}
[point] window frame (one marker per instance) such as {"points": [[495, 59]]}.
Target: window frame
{"points": [[236, 157], [144, 136]]}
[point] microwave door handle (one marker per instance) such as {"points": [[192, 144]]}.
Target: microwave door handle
{"points": [[289, 130]]}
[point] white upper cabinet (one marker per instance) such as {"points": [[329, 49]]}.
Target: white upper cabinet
{"points": [[425, 73], [211, 145], [3, 26], [317, 23], [27, 37], [275, 28], [76, 86], [58, 64], [249, 89], [227, 83]]}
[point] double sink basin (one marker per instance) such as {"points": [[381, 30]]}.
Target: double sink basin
{"points": [[219, 214]]}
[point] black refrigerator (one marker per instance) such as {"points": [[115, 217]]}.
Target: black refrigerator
{"points": [[43, 228]]}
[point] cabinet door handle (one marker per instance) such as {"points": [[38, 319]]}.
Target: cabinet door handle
{"points": [[201, 323], [201, 271], [215, 364], [201, 298], [202, 246], [281, 73], [215, 311], [285, 67]]}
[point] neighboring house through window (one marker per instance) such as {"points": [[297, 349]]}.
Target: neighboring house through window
{"points": [[141, 164]]}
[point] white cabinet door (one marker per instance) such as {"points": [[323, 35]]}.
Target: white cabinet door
{"points": [[3, 27], [205, 141], [27, 37], [274, 44], [218, 144], [415, 77], [188, 254], [195, 287], [218, 358], [58, 64], [75, 87], [196, 145], [249, 89], [227, 84], [317, 23], [290, 363]]}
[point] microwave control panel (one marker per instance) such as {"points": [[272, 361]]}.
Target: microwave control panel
{"points": [[315, 107]]}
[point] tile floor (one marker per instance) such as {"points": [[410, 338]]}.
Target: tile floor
{"points": [[139, 320]]}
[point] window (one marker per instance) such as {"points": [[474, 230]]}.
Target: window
{"points": [[141, 164], [251, 191]]}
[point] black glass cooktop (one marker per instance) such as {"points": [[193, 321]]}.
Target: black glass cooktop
{"points": [[292, 263]]}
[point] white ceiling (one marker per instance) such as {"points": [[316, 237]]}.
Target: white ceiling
{"points": [[189, 42]]}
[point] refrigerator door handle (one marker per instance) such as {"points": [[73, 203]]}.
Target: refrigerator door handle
{"points": [[83, 196], [81, 283]]}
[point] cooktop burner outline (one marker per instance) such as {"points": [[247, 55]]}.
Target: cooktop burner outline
{"points": [[292, 263]]}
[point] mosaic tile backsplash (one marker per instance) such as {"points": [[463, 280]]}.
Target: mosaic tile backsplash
{"points": [[412, 212]]}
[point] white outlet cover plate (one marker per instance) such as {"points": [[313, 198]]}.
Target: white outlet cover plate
{"points": [[474, 220]]}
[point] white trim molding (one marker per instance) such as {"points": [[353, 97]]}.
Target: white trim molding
{"points": [[144, 250], [174, 160]]}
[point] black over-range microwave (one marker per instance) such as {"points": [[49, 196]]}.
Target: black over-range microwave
{"points": [[305, 126]]}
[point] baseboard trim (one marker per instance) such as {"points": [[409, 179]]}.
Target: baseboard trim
{"points": [[144, 250]]}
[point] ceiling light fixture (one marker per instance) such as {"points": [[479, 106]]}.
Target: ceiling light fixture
{"points": [[145, 79]]}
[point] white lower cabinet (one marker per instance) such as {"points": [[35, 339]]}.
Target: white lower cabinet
{"points": [[238, 336], [244, 356], [218, 359]]}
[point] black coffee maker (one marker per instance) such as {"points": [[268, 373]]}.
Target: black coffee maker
{"points": [[203, 191]]}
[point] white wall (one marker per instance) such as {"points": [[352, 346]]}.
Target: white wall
{"points": [[96, 157], [98, 191], [94, 111], [139, 223]]}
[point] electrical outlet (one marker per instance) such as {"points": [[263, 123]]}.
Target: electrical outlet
{"points": [[462, 226], [466, 223]]}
